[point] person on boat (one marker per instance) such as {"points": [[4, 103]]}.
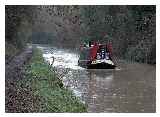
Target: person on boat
{"points": [[109, 49], [90, 43], [93, 51]]}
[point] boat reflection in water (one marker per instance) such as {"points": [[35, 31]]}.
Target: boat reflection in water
{"points": [[97, 90]]}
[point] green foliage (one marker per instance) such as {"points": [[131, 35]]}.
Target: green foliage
{"points": [[10, 51], [136, 54], [124, 26], [45, 84], [18, 22]]}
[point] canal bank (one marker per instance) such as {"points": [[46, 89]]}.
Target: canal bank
{"points": [[40, 90]]}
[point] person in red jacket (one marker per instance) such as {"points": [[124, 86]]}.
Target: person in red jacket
{"points": [[109, 48], [94, 50]]}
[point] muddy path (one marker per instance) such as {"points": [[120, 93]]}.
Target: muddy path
{"points": [[14, 71], [14, 66], [129, 88]]}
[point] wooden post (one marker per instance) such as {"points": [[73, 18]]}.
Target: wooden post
{"points": [[52, 60]]}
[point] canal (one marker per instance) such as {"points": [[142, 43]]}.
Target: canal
{"points": [[131, 87]]}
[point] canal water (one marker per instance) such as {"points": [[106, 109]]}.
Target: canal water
{"points": [[131, 87]]}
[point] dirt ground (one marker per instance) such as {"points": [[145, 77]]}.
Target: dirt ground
{"points": [[17, 99]]}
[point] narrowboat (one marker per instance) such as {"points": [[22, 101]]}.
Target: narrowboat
{"points": [[96, 56]]}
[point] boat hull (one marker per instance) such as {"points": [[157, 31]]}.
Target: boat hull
{"points": [[100, 66]]}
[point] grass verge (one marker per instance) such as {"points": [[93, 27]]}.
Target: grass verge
{"points": [[44, 83]]}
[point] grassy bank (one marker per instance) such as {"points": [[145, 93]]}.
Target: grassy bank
{"points": [[45, 85]]}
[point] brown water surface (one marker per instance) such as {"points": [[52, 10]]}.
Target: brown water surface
{"points": [[128, 88]]}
